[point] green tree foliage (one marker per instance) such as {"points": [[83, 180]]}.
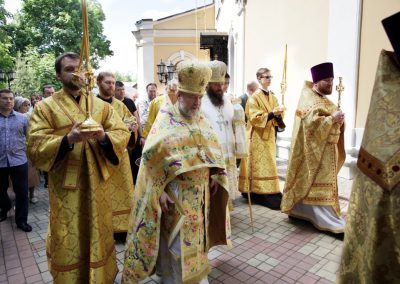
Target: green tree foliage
{"points": [[123, 77], [55, 26], [33, 71], [6, 60]]}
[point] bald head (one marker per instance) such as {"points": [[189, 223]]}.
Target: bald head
{"points": [[252, 87]]}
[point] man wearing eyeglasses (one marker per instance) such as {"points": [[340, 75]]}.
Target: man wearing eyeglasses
{"points": [[258, 172]]}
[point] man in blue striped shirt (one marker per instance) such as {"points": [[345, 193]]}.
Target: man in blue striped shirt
{"points": [[13, 161]]}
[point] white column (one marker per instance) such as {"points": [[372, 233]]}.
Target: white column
{"points": [[343, 51]]}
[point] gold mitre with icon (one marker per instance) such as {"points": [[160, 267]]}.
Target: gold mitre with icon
{"points": [[218, 69], [193, 77]]}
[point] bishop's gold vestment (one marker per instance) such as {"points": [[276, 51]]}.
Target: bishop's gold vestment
{"points": [[371, 249], [317, 154], [172, 159], [80, 244], [258, 172]]}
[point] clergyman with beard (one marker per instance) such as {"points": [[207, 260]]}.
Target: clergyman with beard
{"points": [[179, 209], [79, 165], [121, 181], [218, 109], [311, 189]]}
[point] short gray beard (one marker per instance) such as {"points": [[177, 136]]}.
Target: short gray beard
{"points": [[186, 114]]}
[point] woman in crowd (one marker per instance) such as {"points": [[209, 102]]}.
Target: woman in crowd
{"points": [[23, 105]]}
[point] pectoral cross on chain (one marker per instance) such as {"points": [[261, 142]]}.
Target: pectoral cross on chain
{"points": [[221, 121]]}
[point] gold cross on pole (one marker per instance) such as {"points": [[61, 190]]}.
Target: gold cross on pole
{"points": [[339, 89], [283, 83]]}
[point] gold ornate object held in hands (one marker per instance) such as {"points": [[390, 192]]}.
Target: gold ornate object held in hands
{"points": [[84, 77], [339, 89], [129, 121], [283, 83]]}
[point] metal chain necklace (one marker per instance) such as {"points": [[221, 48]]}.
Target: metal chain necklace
{"points": [[201, 153]]}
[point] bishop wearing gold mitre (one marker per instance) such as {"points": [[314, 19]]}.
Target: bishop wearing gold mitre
{"points": [[80, 244], [180, 201]]}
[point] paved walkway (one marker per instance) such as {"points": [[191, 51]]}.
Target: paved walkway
{"points": [[278, 251]]}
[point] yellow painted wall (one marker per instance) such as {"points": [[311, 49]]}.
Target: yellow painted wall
{"points": [[188, 20], [373, 40], [164, 47], [183, 40], [164, 52]]}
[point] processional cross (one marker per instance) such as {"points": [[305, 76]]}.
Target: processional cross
{"points": [[340, 89]]}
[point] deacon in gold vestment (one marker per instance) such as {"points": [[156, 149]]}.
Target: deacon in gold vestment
{"points": [[121, 181], [258, 172], [180, 202], [80, 244], [167, 99], [371, 249], [317, 154]]}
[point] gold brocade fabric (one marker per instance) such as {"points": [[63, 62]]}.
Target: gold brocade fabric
{"points": [[258, 172], [154, 108], [80, 244], [121, 182], [171, 155], [317, 154], [371, 250], [193, 187]]}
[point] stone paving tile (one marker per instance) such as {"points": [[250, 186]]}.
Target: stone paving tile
{"points": [[278, 251]]}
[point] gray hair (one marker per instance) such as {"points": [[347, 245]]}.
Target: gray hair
{"points": [[19, 101]]}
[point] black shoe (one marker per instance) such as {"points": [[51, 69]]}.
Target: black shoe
{"points": [[24, 227], [272, 201], [338, 236], [120, 237], [3, 215], [295, 219]]}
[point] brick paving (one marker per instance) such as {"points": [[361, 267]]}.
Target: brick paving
{"points": [[278, 251]]}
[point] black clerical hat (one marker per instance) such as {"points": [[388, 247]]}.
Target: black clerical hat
{"points": [[392, 27], [322, 71]]}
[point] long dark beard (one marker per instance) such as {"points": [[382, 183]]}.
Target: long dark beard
{"points": [[70, 85], [216, 99]]}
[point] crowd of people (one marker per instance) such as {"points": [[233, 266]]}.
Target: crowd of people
{"points": [[164, 171]]}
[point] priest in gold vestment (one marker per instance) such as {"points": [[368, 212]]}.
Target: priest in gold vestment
{"points": [[80, 245], [317, 154], [371, 249], [121, 181], [258, 172], [180, 202]]}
